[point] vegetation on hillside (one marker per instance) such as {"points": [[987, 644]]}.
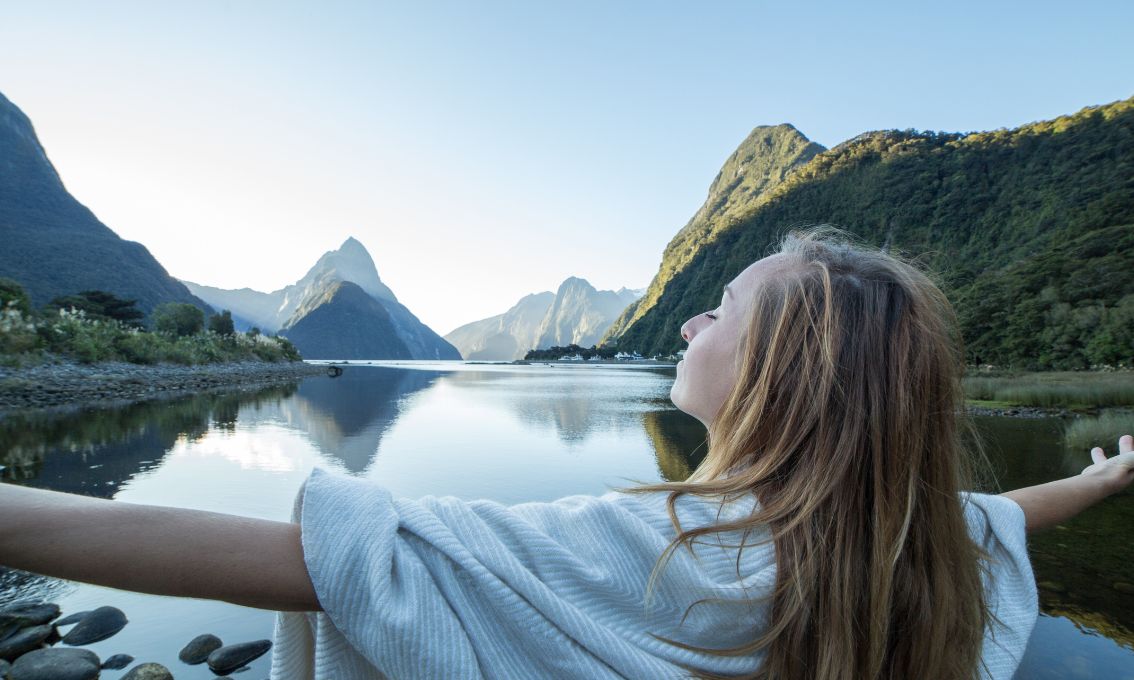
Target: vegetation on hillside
{"points": [[74, 332], [1026, 229], [554, 353]]}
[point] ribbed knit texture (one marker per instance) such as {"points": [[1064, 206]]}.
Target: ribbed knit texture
{"points": [[444, 588]]}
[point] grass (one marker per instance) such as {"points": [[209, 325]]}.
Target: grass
{"points": [[30, 340], [1104, 431], [1067, 389]]}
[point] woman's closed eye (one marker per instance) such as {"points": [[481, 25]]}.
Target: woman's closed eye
{"points": [[712, 315]]}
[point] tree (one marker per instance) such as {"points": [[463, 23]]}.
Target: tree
{"points": [[221, 324], [13, 293], [178, 318], [99, 304]]}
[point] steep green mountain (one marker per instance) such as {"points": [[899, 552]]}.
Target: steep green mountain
{"points": [[52, 244], [762, 162], [1030, 231]]}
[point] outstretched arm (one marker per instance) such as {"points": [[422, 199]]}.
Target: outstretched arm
{"points": [[150, 549], [1046, 505]]}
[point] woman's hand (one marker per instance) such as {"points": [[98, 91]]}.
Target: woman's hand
{"points": [[1046, 505], [1119, 470]]}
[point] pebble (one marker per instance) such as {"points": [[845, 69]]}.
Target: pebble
{"points": [[1124, 587], [71, 618], [26, 614], [24, 641], [117, 662], [199, 648], [56, 664], [100, 624], [227, 659], [148, 671], [70, 383], [4, 666]]}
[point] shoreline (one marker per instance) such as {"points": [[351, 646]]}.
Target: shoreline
{"points": [[67, 385]]}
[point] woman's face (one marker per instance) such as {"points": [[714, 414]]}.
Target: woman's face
{"points": [[707, 374]]}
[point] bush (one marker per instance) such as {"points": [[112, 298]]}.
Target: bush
{"points": [[221, 324], [99, 304], [13, 296], [178, 319]]}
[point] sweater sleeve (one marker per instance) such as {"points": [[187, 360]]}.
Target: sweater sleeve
{"points": [[996, 525], [440, 587]]}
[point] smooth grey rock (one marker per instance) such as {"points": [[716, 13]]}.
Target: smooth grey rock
{"points": [[199, 649], [148, 671], [71, 618], [227, 659], [117, 662], [25, 615], [4, 666], [100, 624], [24, 641], [56, 664]]}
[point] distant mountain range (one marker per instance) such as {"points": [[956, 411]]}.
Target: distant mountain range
{"points": [[1030, 230], [52, 245], [575, 314], [340, 309]]}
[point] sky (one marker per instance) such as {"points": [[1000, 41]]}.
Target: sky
{"points": [[482, 151]]}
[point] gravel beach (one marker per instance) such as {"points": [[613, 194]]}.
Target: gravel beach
{"points": [[72, 384]]}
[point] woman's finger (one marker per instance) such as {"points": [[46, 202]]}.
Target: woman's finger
{"points": [[1125, 444], [1098, 455]]}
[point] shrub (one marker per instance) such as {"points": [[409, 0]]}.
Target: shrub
{"points": [[178, 318], [221, 324], [12, 295]]}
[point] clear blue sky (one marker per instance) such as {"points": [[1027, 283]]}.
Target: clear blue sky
{"points": [[482, 151]]}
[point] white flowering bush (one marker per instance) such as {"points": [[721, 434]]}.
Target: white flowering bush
{"points": [[19, 332]]}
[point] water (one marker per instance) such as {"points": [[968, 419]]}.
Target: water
{"points": [[509, 433]]}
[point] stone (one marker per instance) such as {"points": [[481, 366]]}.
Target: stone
{"points": [[117, 662], [1123, 587], [25, 615], [4, 666], [23, 641], [227, 659], [56, 664], [148, 671], [199, 648], [100, 624], [71, 619], [1052, 586]]}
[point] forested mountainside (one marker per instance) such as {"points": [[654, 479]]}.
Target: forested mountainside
{"points": [[1026, 228]]}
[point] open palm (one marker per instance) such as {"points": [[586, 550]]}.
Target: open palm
{"points": [[1120, 468]]}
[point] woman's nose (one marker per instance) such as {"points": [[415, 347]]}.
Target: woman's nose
{"points": [[687, 330]]}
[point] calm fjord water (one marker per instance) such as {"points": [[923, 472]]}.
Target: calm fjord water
{"points": [[509, 433]]}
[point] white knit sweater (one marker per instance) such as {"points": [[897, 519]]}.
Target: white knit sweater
{"points": [[443, 588]]}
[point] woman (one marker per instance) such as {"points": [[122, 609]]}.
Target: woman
{"points": [[824, 536]]}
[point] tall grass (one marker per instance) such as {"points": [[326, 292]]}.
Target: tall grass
{"points": [[1064, 389], [1085, 433]]}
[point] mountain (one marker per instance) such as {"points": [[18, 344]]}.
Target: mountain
{"points": [[52, 244], [767, 157], [1027, 229], [577, 313], [505, 336], [340, 309]]}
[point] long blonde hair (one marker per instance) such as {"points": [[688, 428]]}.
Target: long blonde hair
{"points": [[844, 423]]}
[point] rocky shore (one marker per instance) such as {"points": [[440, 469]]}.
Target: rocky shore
{"points": [[67, 384], [1020, 412]]}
